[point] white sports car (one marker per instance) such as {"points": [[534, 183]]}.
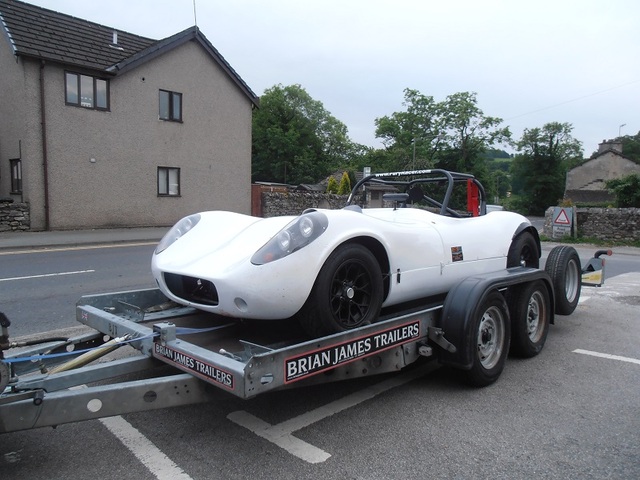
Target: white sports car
{"points": [[336, 269]]}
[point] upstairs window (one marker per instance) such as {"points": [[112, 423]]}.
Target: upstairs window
{"points": [[170, 106], [168, 182], [16, 175], [86, 91]]}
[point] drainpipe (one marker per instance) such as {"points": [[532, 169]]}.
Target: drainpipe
{"points": [[45, 160]]}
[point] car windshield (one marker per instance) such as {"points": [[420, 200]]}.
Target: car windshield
{"points": [[444, 192]]}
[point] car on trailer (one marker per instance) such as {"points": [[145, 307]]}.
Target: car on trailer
{"points": [[335, 270]]}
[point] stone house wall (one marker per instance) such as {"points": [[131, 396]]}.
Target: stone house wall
{"points": [[14, 217]]}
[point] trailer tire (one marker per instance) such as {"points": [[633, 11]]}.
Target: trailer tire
{"points": [[347, 293], [489, 340], [563, 266], [524, 249], [530, 310]]}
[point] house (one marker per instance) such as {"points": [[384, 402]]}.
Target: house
{"points": [[104, 128], [586, 182]]}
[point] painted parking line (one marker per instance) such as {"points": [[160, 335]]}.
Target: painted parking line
{"points": [[44, 275], [607, 356], [281, 434], [158, 464]]}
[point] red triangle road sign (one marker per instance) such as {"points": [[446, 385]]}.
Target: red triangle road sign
{"points": [[562, 218]]}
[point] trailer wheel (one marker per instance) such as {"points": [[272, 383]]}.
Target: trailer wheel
{"points": [[347, 293], [563, 266], [490, 340], [524, 250], [530, 309]]}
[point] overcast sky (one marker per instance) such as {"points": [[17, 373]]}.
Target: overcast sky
{"points": [[530, 62]]}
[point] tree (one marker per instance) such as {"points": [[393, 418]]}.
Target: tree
{"points": [[626, 189], [538, 171], [332, 185], [468, 132], [453, 134], [409, 136], [631, 147], [345, 184], [295, 140]]}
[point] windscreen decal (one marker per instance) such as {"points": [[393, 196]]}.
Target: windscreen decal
{"points": [[326, 358]]}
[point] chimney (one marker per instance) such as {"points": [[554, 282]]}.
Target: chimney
{"points": [[115, 38], [610, 145]]}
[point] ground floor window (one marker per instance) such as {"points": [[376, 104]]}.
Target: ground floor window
{"points": [[16, 175], [168, 181]]}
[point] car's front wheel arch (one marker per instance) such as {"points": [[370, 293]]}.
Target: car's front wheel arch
{"points": [[380, 253], [348, 290]]}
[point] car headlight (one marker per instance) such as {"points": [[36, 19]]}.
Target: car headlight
{"points": [[296, 235], [177, 231]]}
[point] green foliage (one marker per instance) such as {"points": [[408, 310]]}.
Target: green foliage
{"points": [[453, 134], [332, 186], [345, 184], [631, 147], [495, 153], [295, 140], [538, 171], [626, 189]]}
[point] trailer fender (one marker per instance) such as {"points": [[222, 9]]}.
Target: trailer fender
{"points": [[462, 304]]}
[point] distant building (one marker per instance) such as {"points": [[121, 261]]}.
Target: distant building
{"points": [[586, 183], [104, 128]]}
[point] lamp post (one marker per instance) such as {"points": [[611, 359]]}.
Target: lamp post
{"points": [[413, 165], [620, 129]]}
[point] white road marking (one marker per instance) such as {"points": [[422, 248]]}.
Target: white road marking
{"points": [[46, 275], [160, 466], [281, 434], [607, 356], [71, 249]]}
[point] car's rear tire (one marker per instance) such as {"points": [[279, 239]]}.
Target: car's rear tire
{"points": [[347, 293], [563, 266], [490, 338], [530, 309], [524, 250]]}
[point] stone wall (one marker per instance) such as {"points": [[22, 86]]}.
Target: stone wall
{"points": [[608, 224], [275, 204], [14, 217]]}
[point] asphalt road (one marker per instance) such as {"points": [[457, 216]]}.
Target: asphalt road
{"points": [[571, 412]]}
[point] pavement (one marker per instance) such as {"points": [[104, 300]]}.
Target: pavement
{"points": [[75, 238]]}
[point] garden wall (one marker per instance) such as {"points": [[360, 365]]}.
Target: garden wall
{"points": [[275, 204], [607, 224]]}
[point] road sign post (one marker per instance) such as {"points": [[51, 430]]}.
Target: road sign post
{"points": [[562, 222]]}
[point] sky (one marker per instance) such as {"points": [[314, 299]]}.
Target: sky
{"points": [[529, 62]]}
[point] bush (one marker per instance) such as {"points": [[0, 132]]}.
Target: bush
{"points": [[345, 185], [332, 186], [626, 190]]}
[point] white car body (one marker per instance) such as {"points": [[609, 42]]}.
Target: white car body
{"points": [[426, 255]]}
